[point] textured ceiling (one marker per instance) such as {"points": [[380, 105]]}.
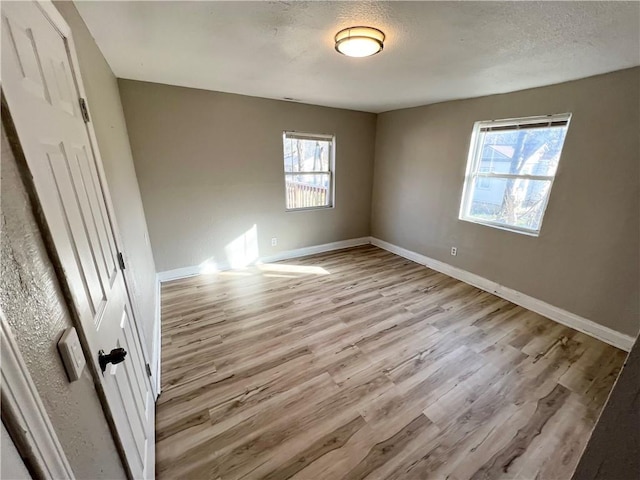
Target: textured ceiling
{"points": [[434, 51]]}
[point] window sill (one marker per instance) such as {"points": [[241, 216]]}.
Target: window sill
{"points": [[307, 209], [500, 226]]}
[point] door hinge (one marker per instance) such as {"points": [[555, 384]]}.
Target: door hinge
{"points": [[148, 369], [121, 261], [84, 110]]}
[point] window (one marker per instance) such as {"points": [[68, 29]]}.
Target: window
{"points": [[308, 170], [510, 171]]}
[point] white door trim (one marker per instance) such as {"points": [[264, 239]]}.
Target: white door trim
{"points": [[27, 416], [157, 338], [58, 21]]}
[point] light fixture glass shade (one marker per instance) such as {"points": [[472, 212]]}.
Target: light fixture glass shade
{"points": [[359, 41]]}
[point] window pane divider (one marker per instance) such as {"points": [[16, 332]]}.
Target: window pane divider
{"points": [[324, 172]]}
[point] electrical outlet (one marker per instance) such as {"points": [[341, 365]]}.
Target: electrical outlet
{"points": [[274, 242], [454, 251]]}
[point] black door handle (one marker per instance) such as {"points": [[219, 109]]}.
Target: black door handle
{"points": [[114, 356]]}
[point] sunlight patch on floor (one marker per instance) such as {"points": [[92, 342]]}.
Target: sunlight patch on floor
{"points": [[300, 269], [235, 273]]}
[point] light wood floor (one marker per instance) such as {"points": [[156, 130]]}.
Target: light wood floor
{"points": [[359, 363]]}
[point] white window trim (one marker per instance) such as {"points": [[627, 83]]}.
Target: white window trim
{"points": [[473, 158], [332, 155]]}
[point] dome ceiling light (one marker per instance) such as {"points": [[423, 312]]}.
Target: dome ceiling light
{"points": [[359, 41]]}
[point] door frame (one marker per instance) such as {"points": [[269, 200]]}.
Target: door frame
{"points": [[60, 24], [24, 414]]}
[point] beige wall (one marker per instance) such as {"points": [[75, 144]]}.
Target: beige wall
{"points": [[586, 258], [33, 303], [113, 141], [210, 167]]}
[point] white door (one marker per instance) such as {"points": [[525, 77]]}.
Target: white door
{"points": [[42, 95]]}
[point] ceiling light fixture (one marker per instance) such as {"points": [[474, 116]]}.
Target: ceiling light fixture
{"points": [[359, 41]]}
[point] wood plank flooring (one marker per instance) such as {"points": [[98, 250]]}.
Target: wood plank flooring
{"points": [[361, 364]]}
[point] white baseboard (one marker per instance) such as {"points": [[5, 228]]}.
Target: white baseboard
{"points": [[589, 327], [185, 272], [178, 273], [326, 247], [157, 337]]}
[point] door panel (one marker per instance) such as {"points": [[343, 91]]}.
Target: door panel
{"points": [[108, 261], [66, 192], [90, 220], [39, 86], [62, 87], [21, 40]]}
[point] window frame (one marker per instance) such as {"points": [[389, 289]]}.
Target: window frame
{"points": [[474, 159], [326, 137]]}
